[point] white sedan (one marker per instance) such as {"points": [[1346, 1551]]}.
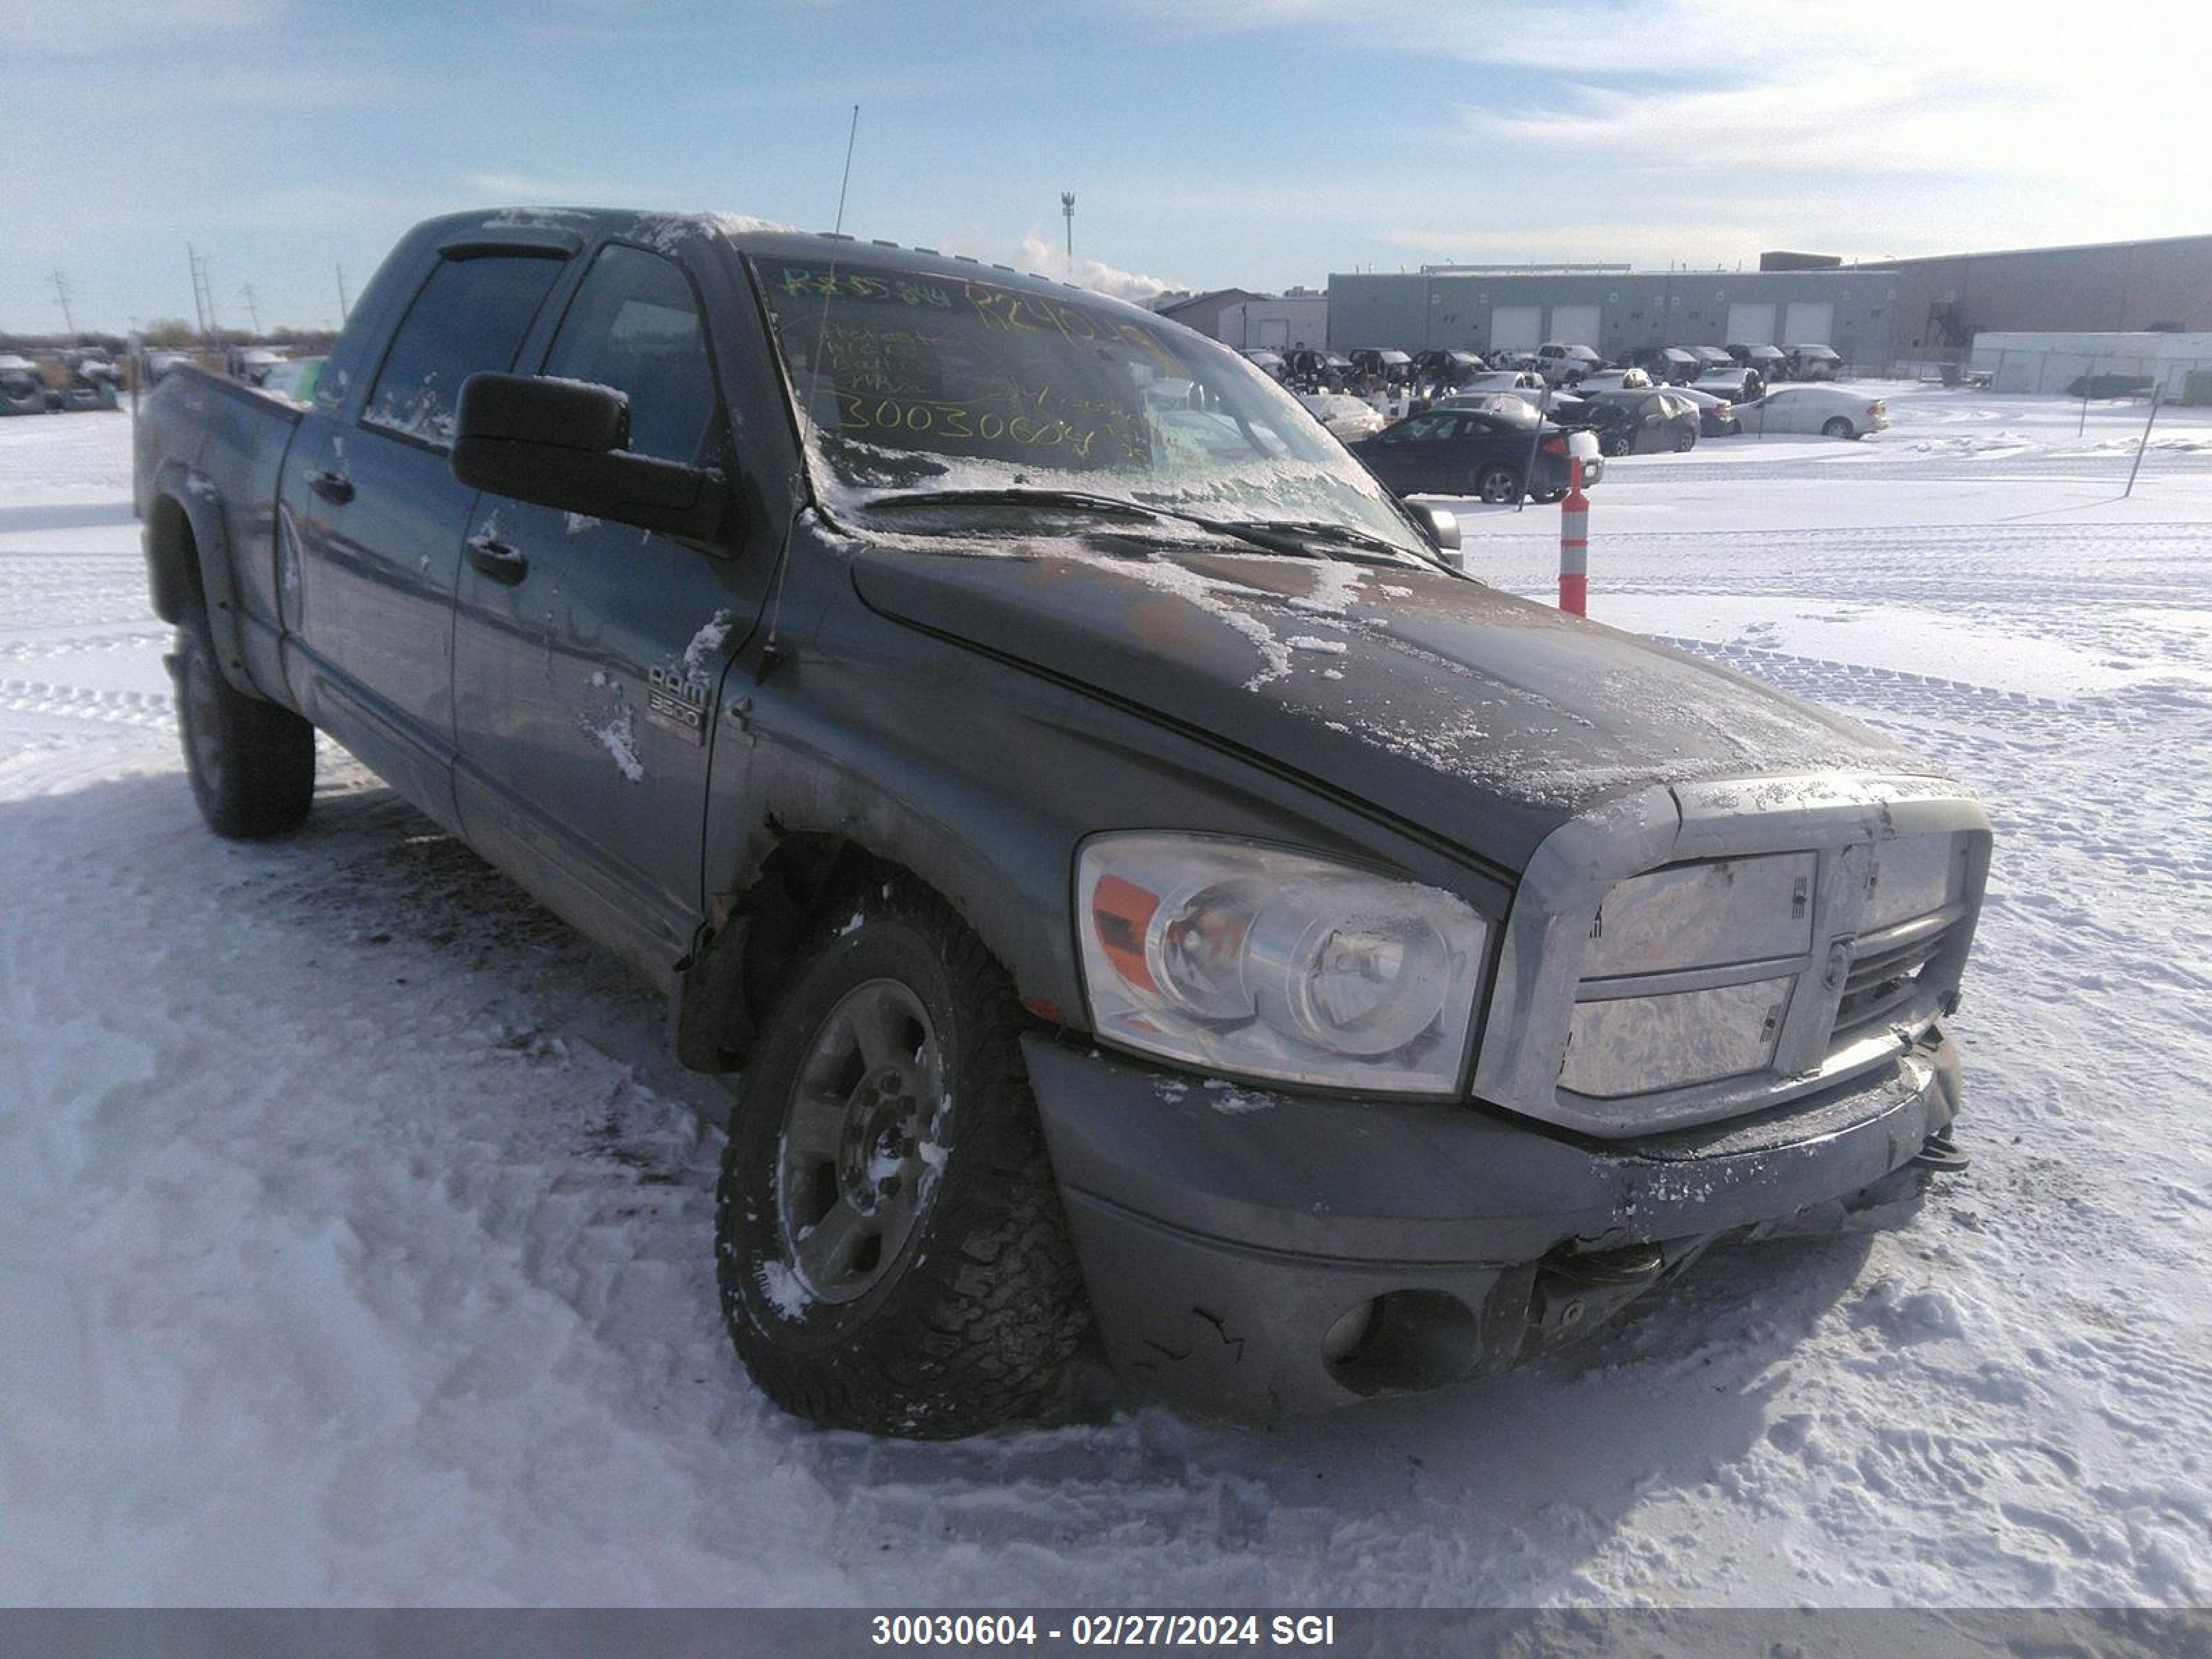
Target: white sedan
{"points": [[1833, 410], [1347, 417]]}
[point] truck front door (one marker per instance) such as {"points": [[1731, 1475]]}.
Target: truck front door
{"points": [[587, 656]]}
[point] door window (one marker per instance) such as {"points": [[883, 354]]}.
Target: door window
{"points": [[1422, 430], [635, 326], [468, 319]]}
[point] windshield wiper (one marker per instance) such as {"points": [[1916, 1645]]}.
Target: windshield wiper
{"points": [[1023, 495], [1324, 530], [1276, 535]]}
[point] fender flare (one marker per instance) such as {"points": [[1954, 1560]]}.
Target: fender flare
{"points": [[200, 500], [722, 986]]}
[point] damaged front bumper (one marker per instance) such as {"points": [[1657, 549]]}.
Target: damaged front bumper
{"points": [[1259, 1255]]}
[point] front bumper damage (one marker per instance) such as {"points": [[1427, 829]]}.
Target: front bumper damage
{"points": [[1259, 1253]]}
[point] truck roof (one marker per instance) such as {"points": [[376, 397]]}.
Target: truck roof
{"points": [[753, 237]]}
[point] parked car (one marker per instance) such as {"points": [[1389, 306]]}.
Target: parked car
{"points": [[1563, 364], [1380, 369], [1515, 403], [1642, 423], [1269, 363], [2108, 386], [1346, 417], [1140, 893], [93, 365], [251, 363], [1715, 411], [295, 378], [1504, 379], [1767, 360], [1497, 455], [1812, 363], [1446, 370], [1613, 379], [1833, 411], [1712, 360], [1666, 365], [1735, 383], [1312, 370], [23, 387]]}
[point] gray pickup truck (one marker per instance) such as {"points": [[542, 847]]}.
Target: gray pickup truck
{"points": [[1145, 884]]}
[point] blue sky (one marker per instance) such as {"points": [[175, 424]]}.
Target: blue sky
{"points": [[1258, 142]]}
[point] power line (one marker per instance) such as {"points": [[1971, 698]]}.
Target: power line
{"points": [[61, 286], [345, 305], [252, 305]]}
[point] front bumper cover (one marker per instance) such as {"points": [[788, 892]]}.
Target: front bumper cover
{"points": [[1225, 1232]]}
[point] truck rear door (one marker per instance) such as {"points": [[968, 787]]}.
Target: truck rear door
{"points": [[378, 519]]}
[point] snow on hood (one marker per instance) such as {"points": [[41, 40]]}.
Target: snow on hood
{"points": [[1481, 717]]}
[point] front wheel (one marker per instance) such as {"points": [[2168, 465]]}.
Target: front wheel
{"points": [[1838, 426], [252, 763], [888, 1239], [1685, 442], [1498, 484]]}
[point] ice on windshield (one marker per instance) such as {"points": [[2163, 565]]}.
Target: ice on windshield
{"points": [[912, 380]]}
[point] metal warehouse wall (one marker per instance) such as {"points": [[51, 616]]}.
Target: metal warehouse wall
{"points": [[1418, 310], [2111, 286]]}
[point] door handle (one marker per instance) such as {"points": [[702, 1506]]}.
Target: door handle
{"points": [[497, 560], [331, 486]]}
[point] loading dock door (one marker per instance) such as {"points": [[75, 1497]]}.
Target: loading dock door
{"points": [[1808, 322], [1753, 326], [1274, 333], [1516, 328], [1574, 326]]}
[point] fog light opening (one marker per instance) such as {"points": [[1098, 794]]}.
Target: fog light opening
{"points": [[1401, 1343], [1350, 1331]]}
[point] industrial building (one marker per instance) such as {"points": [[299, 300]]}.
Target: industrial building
{"points": [[1484, 309], [1875, 314]]}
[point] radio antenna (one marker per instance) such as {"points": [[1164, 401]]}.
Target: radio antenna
{"points": [[851, 137]]}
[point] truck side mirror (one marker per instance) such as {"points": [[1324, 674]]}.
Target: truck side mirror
{"points": [[1442, 525], [565, 444]]}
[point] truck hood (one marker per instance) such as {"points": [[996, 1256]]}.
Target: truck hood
{"points": [[1484, 719]]}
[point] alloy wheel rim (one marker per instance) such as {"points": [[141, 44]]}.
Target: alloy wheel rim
{"points": [[858, 1155]]}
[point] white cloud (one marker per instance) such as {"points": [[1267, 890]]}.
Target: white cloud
{"points": [[1040, 255]]}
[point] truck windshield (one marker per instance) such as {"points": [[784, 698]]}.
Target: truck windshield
{"points": [[907, 379]]}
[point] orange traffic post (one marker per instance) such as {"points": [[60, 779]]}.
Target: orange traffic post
{"points": [[1574, 543]]}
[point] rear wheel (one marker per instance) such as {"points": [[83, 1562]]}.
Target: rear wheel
{"points": [[1838, 426], [251, 762], [1613, 444], [1498, 482], [888, 1239]]}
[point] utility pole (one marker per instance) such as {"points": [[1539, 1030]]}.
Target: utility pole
{"points": [[62, 293], [252, 306], [203, 292], [1067, 212], [344, 304]]}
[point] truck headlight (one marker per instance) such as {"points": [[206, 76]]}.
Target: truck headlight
{"points": [[1233, 957]]}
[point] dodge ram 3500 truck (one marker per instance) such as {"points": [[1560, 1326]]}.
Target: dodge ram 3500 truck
{"points": [[1143, 881]]}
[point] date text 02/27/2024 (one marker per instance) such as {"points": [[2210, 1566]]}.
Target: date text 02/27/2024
{"points": [[1116, 1630]]}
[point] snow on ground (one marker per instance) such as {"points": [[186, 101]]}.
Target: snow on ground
{"points": [[353, 1230]]}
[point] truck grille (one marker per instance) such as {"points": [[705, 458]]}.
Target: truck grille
{"points": [[1705, 950], [1887, 968]]}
